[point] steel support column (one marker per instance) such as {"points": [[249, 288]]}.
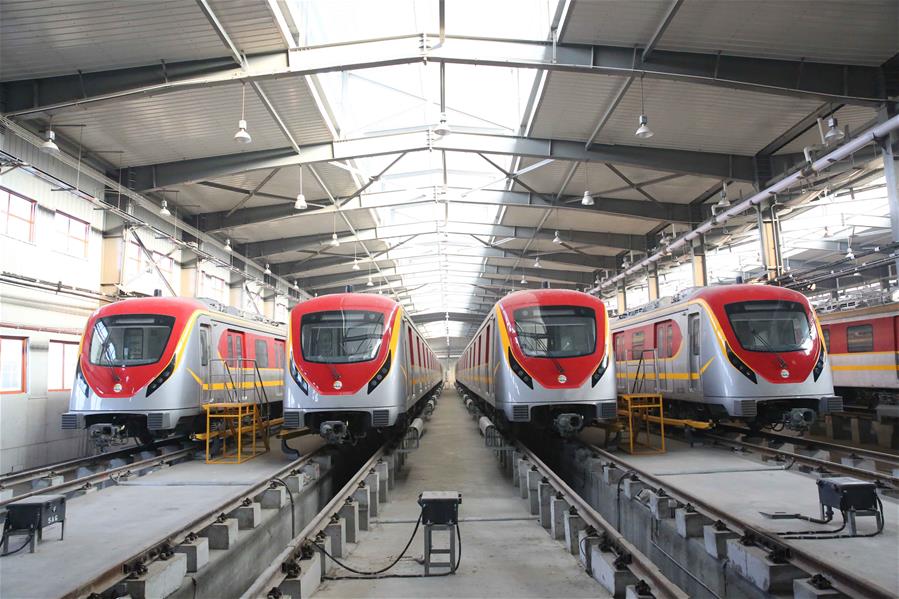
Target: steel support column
{"points": [[891, 176], [621, 295], [700, 271], [769, 237], [652, 281]]}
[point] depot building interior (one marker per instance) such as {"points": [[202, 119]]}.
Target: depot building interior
{"points": [[265, 157]]}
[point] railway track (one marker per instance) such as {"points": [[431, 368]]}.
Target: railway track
{"points": [[884, 465], [777, 548], [14, 480]]}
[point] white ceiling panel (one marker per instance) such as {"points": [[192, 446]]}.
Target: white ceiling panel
{"points": [[573, 104]]}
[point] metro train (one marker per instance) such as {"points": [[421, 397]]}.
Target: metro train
{"points": [[356, 366], [863, 344], [752, 353], [146, 366], [542, 359]]}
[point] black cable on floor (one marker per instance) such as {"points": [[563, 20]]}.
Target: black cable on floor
{"points": [[813, 537], [293, 517], [14, 551]]}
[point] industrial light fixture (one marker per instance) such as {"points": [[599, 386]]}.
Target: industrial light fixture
{"points": [[723, 202], [242, 136], [268, 269], [850, 255], [355, 264], [296, 286], [523, 280], [49, 146], [834, 134], [334, 241], [369, 283], [643, 131], [301, 204], [228, 245], [442, 127], [556, 239], [537, 262], [587, 200], [164, 210]]}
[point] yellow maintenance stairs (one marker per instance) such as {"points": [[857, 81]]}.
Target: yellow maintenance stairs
{"points": [[238, 422]]}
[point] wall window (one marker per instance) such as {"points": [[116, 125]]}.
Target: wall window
{"points": [[62, 358], [12, 364], [71, 235], [215, 287], [17, 215], [860, 338]]}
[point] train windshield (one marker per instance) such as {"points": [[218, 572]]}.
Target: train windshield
{"points": [[770, 325], [556, 331], [341, 336], [132, 340]]}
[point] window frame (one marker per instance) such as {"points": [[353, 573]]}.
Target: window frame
{"points": [[5, 210], [23, 375], [75, 345], [256, 352], [69, 238]]}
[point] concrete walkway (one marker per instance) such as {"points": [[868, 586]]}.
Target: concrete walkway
{"points": [[505, 552]]}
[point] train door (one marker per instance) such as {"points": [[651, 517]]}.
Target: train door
{"points": [[695, 338], [205, 356], [235, 348], [662, 365], [895, 343]]}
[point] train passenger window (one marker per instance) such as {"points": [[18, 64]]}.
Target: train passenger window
{"points": [[487, 343], [204, 346], [235, 346], [860, 338], [638, 340], [694, 334], [132, 340], [411, 349], [826, 333], [662, 350], [556, 331], [261, 349]]}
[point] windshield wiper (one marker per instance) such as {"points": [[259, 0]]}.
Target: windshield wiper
{"points": [[780, 359]]}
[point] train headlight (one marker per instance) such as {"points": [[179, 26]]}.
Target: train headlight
{"points": [[517, 369], [163, 377], [380, 375], [819, 365], [741, 366], [601, 370], [297, 378]]}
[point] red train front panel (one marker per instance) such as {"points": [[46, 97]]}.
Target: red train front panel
{"points": [[356, 364], [543, 356], [752, 352], [146, 365]]}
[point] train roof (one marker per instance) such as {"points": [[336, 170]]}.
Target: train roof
{"points": [[720, 294], [347, 301], [180, 307], [530, 297]]}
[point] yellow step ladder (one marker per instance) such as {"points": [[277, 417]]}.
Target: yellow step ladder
{"points": [[638, 410]]}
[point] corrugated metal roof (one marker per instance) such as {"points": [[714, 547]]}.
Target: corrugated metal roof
{"points": [[682, 190], [39, 38], [573, 104], [857, 32], [295, 104], [856, 117], [564, 219], [250, 25]]}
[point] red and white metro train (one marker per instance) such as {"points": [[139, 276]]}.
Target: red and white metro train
{"points": [[746, 352], [863, 344], [543, 357], [146, 365], [356, 365]]}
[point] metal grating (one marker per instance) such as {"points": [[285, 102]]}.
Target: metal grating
{"points": [[156, 421], [607, 410], [520, 413], [380, 418], [292, 419], [747, 408], [70, 421], [832, 404]]}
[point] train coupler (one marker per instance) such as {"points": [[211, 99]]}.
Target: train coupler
{"points": [[568, 424], [799, 419]]}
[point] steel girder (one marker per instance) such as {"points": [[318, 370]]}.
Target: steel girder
{"points": [[851, 84], [272, 247], [666, 212]]}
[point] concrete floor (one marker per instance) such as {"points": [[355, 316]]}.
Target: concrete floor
{"points": [[104, 527], [744, 487], [505, 552]]}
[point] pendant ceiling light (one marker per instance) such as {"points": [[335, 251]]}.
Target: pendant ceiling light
{"points": [[301, 204], [587, 200], [242, 135], [643, 131]]}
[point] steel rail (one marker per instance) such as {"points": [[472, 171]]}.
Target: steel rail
{"points": [[163, 547], [882, 456], [86, 482], [23, 476], [274, 575], [843, 581], [878, 477], [640, 565]]}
